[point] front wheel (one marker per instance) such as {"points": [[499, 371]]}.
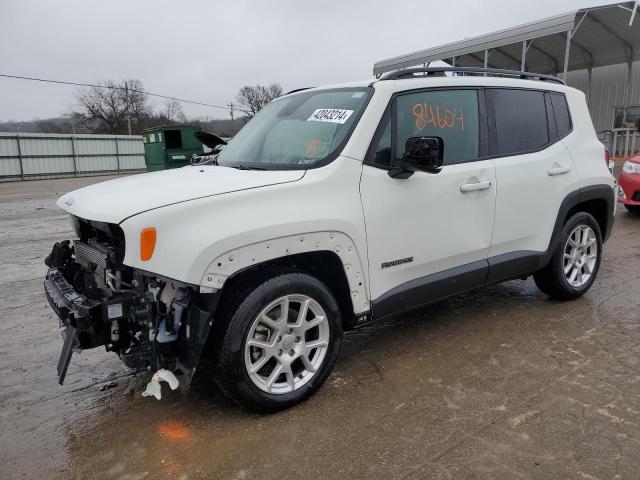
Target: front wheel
{"points": [[575, 262], [280, 344]]}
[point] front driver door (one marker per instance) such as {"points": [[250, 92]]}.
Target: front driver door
{"points": [[428, 235]]}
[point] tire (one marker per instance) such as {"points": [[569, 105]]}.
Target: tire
{"points": [[585, 262], [633, 208], [257, 336]]}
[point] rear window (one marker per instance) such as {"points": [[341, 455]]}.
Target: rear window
{"points": [[520, 120]]}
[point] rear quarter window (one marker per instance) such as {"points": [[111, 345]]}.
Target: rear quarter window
{"points": [[561, 113]]}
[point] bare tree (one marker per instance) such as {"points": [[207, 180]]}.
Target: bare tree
{"points": [[112, 107], [173, 112], [252, 99]]}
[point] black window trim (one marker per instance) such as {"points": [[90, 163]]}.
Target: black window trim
{"points": [[552, 121], [550, 142], [483, 145]]}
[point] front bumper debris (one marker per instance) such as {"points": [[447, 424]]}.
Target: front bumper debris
{"points": [[153, 387], [152, 323], [85, 323], [67, 304]]}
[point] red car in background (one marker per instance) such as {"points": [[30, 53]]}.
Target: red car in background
{"points": [[630, 183]]}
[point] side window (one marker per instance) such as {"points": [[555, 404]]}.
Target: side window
{"points": [[561, 112], [449, 114], [520, 120]]}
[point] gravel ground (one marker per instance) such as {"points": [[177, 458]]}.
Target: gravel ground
{"points": [[499, 383]]}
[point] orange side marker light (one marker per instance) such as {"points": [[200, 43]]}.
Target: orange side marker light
{"points": [[147, 243]]}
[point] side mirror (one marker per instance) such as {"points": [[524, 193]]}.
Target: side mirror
{"points": [[423, 154]]}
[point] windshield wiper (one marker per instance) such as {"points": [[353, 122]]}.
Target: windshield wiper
{"points": [[247, 167]]}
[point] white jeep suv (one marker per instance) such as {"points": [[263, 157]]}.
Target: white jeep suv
{"points": [[332, 208]]}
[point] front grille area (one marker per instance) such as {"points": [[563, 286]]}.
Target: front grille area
{"points": [[92, 253], [101, 236], [636, 196]]}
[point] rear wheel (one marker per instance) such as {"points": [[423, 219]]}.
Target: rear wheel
{"points": [[576, 260], [280, 344]]}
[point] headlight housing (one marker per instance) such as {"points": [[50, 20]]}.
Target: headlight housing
{"points": [[631, 167]]}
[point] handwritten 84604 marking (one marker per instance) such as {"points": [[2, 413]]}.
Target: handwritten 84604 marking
{"points": [[438, 117]]}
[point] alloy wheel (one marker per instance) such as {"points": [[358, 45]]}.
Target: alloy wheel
{"points": [[580, 256], [286, 344]]}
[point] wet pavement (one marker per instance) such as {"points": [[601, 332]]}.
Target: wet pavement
{"points": [[501, 383]]}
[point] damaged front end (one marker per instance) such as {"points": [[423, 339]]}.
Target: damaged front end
{"points": [[152, 323]]}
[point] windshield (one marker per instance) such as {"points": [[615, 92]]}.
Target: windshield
{"points": [[297, 132]]}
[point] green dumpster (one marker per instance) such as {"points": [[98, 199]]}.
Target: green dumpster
{"points": [[170, 146]]}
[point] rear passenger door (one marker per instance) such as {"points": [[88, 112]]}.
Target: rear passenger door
{"points": [[534, 170]]}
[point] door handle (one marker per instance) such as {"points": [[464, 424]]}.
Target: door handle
{"points": [[472, 187], [558, 170]]}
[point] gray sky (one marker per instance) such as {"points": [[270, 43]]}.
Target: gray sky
{"points": [[207, 50]]}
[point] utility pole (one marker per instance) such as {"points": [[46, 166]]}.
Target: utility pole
{"points": [[231, 111], [126, 100]]}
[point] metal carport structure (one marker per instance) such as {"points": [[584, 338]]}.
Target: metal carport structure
{"points": [[583, 40]]}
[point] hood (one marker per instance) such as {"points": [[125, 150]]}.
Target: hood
{"points": [[115, 200]]}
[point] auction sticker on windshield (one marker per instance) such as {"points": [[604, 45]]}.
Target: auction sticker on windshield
{"points": [[332, 115]]}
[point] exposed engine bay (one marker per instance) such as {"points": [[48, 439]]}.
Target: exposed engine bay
{"points": [[152, 323]]}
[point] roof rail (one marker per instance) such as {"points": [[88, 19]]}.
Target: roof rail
{"points": [[440, 71]]}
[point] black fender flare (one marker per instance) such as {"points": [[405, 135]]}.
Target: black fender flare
{"points": [[592, 192]]}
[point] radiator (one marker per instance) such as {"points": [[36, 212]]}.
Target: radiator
{"points": [[92, 253]]}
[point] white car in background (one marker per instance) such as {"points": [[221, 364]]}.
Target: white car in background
{"points": [[332, 208]]}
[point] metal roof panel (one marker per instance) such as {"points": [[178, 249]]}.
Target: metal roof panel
{"points": [[599, 41]]}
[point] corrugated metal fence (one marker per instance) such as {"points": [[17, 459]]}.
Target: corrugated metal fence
{"points": [[621, 142], [44, 155], [625, 142]]}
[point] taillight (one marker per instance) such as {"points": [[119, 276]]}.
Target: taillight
{"points": [[606, 157]]}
